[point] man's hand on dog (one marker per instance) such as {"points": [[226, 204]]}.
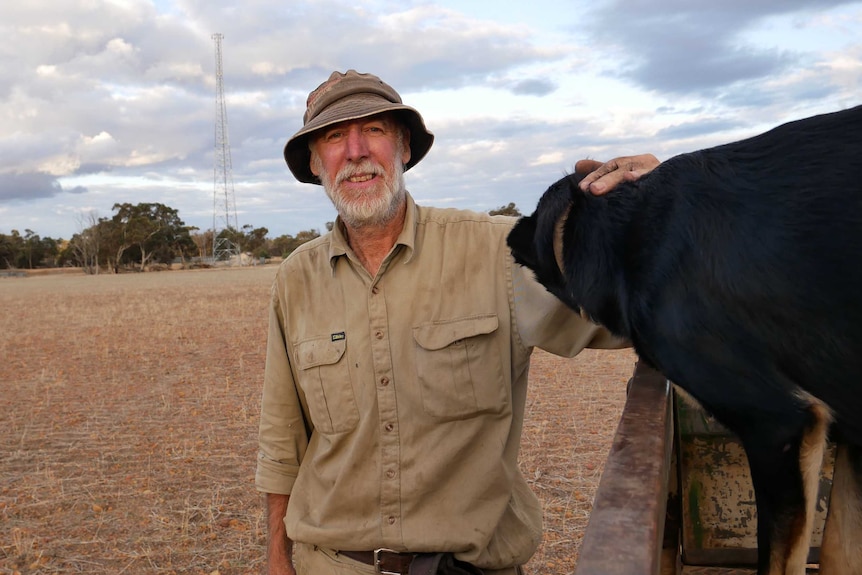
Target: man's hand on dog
{"points": [[603, 177]]}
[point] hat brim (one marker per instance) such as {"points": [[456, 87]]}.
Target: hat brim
{"points": [[298, 156]]}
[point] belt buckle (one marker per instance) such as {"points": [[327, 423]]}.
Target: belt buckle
{"points": [[377, 566]]}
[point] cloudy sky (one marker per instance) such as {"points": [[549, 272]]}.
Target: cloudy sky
{"points": [[111, 101]]}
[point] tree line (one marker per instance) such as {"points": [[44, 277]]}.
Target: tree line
{"points": [[143, 236]]}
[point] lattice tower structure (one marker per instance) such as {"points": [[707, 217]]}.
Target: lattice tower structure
{"points": [[225, 223]]}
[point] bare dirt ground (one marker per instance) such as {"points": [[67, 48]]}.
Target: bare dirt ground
{"points": [[129, 420]]}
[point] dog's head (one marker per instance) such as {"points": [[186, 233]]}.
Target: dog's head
{"points": [[574, 243], [536, 240]]}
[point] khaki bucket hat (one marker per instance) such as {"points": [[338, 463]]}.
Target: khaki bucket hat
{"points": [[350, 96]]}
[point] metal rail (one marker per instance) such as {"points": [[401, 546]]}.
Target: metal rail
{"points": [[625, 534]]}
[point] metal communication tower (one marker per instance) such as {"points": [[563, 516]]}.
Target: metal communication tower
{"points": [[224, 203]]}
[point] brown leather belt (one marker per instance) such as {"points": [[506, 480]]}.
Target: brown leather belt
{"points": [[386, 561]]}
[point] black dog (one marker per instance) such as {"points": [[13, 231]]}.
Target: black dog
{"points": [[737, 272]]}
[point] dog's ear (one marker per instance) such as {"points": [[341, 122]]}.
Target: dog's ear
{"points": [[521, 241], [554, 204], [532, 238]]}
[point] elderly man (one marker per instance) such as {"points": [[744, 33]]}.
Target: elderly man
{"points": [[397, 360]]}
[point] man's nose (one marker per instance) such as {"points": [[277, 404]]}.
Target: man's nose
{"points": [[357, 144]]}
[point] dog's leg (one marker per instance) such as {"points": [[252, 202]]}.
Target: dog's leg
{"points": [[810, 464], [779, 493], [786, 477], [841, 549]]}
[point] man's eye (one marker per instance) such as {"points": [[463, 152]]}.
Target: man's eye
{"points": [[333, 136]]}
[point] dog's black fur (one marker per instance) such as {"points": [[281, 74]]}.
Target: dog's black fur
{"points": [[737, 272]]}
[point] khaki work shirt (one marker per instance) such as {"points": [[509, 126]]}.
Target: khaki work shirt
{"points": [[393, 405]]}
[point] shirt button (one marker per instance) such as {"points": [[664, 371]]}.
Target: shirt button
{"points": [[389, 426], [391, 520], [375, 290], [384, 381], [390, 473], [378, 334]]}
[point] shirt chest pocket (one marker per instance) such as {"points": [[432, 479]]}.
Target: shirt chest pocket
{"points": [[459, 367], [324, 376]]}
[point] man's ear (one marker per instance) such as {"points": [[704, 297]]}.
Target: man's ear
{"points": [[405, 152], [313, 161]]}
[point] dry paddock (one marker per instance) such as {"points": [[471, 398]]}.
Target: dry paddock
{"points": [[129, 409]]}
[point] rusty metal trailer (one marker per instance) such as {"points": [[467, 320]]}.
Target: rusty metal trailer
{"points": [[675, 497]]}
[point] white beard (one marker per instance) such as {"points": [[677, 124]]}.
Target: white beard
{"points": [[376, 207]]}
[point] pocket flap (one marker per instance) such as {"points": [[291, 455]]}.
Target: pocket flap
{"points": [[319, 351], [438, 335]]}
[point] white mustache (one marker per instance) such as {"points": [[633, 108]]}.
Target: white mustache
{"points": [[367, 167]]}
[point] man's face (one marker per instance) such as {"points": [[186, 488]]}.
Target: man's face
{"points": [[361, 165]]}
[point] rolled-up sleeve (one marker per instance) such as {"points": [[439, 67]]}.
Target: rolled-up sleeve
{"points": [[283, 434], [545, 322]]}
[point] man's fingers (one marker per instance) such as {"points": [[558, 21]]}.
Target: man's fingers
{"points": [[599, 176], [604, 180], [594, 171], [587, 166], [604, 177]]}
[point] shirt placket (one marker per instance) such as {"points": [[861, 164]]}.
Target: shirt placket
{"points": [[390, 491]]}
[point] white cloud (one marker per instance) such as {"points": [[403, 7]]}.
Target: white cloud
{"points": [[552, 158], [109, 101]]}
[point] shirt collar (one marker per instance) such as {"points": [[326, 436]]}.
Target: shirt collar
{"points": [[338, 245]]}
